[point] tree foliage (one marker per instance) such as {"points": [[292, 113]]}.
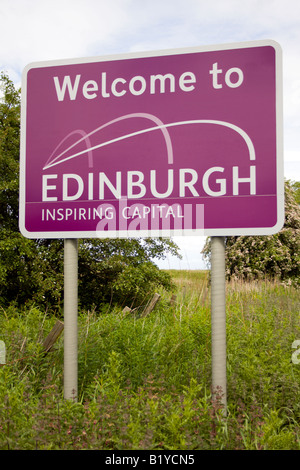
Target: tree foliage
{"points": [[9, 153], [32, 270], [278, 255]]}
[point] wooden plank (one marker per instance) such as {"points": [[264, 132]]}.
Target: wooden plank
{"points": [[53, 335], [151, 305], [2, 353], [126, 310]]}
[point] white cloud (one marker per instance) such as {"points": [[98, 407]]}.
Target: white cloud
{"points": [[190, 249], [43, 30], [292, 169], [49, 29]]}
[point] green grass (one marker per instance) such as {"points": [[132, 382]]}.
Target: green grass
{"points": [[144, 383]]}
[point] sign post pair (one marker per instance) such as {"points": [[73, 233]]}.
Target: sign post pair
{"points": [[180, 142]]}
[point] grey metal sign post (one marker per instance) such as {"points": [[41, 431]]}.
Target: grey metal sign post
{"points": [[70, 318], [218, 319]]}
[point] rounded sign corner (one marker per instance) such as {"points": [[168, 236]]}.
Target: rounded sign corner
{"points": [[275, 44], [278, 226], [27, 68], [24, 231]]}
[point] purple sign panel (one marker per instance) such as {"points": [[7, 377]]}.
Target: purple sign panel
{"points": [[154, 144]]}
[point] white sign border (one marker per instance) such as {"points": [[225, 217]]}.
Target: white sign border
{"points": [[160, 233]]}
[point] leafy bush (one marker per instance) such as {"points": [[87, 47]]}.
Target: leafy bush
{"points": [[278, 255], [124, 278]]}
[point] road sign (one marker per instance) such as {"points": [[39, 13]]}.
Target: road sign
{"points": [[152, 144]]}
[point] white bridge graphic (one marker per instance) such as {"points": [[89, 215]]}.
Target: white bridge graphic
{"points": [[55, 159]]}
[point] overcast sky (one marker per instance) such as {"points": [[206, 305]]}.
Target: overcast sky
{"points": [[39, 30]]}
